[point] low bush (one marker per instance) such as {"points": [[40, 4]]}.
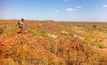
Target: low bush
{"points": [[1, 30]]}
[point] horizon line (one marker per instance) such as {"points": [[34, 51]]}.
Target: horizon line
{"points": [[54, 20]]}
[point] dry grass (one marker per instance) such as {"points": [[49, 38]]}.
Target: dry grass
{"points": [[35, 47]]}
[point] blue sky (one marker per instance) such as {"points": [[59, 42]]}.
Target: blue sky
{"points": [[58, 10]]}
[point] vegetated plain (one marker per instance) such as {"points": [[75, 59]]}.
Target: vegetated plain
{"points": [[53, 43]]}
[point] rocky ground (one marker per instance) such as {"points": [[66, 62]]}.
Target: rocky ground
{"points": [[51, 43]]}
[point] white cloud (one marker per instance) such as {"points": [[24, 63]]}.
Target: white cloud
{"points": [[66, 0], [70, 9], [56, 11], [78, 7], [104, 6]]}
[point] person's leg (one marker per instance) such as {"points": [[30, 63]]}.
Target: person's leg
{"points": [[21, 29]]}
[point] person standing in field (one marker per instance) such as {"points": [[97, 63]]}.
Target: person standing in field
{"points": [[20, 24]]}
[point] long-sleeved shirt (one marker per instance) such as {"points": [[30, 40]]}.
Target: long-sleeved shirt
{"points": [[20, 23]]}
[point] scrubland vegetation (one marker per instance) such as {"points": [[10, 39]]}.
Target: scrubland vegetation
{"points": [[53, 43]]}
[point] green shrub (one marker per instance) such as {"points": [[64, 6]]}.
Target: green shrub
{"points": [[93, 43], [33, 31], [43, 33], [1, 30], [94, 26]]}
